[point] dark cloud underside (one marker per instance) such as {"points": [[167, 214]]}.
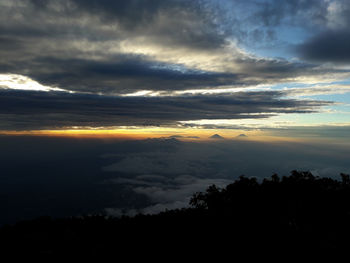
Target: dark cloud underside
{"points": [[330, 46], [35, 110], [120, 74], [99, 46], [331, 42], [118, 47]]}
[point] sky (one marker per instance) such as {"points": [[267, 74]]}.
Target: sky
{"points": [[188, 66], [82, 82]]}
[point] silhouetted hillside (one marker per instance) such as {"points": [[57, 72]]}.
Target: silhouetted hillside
{"points": [[299, 213]]}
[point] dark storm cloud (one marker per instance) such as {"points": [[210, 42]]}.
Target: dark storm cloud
{"points": [[94, 47], [35, 110], [319, 28], [179, 22], [80, 45], [123, 73], [127, 72], [131, 13], [330, 46], [330, 43], [47, 41], [175, 22]]}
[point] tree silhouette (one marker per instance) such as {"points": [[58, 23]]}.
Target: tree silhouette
{"points": [[296, 213]]}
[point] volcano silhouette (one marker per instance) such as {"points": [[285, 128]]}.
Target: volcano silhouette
{"points": [[216, 136]]}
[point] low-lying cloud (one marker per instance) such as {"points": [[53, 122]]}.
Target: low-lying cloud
{"points": [[68, 177], [169, 178]]}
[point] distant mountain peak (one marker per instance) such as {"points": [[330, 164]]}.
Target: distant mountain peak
{"points": [[242, 135], [216, 136]]}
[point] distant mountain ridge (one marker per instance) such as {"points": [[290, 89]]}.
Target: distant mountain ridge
{"points": [[216, 136]]}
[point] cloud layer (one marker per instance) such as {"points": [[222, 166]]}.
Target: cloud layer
{"points": [[169, 178], [67, 177], [100, 51], [117, 47], [331, 43], [32, 110]]}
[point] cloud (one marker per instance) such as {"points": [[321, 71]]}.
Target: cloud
{"points": [[48, 110], [165, 193], [169, 178], [218, 160], [163, 163], [274, 13], [122, 73], [104, 50], [118, 47], [330, 43], [318, 90], [271, 25], [156, 19], [76, 175], [336, 131], [328, 46], [81, 45]]}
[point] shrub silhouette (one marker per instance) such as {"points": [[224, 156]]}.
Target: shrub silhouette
{"points": [[299, 198], [296, 213]]}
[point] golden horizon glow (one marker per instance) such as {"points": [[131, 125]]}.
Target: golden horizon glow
{"points": [[184, 134]]}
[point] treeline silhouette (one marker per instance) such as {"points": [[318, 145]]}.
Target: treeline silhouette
{"points": [[293, 214]]}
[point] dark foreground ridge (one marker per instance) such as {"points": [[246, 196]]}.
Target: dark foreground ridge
{"points": [[295, 214]]}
